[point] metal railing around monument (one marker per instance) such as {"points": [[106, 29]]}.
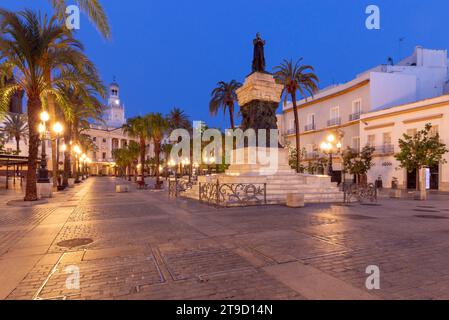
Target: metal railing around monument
{"points": [[233, 194]]}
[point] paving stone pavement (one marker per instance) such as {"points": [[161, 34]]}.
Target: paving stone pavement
{"points": [[145, 246]]}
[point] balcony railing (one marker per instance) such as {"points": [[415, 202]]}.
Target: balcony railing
{"points": [[386, 149], [354, 116], [312, 155], [310, 127], [334, 122], [291, 131]]}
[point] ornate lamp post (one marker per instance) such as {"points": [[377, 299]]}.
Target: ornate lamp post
{"points": [[57, 128], [43, 171], [331, 147], [195, 167]]}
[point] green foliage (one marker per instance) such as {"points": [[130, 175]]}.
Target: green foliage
{"points": [[358, 163], [92, 8], [224, 97], [421, 150], [15, 127], [317, 166], [292, 154]]}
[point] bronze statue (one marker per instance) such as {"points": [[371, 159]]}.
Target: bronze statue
{"points": [[259, 55]]}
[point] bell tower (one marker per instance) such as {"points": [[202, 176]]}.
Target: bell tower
{"points": [[115, 113]]}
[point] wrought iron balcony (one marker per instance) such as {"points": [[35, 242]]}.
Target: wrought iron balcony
{"points": [[334, 122], [312, 155], [386, 149], [310, 127], [354, 116]]}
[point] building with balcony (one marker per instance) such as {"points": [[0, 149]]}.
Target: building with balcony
{"points": [[382, 129], [338, 109]]}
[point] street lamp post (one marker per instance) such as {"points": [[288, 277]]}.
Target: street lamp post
{"points": [[43, 171], [57, 128], [330, 146]]}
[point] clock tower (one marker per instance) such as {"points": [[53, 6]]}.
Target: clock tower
{"points": [[115, 112]]}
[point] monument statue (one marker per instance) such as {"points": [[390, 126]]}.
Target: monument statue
{"points": [[259, 54]]}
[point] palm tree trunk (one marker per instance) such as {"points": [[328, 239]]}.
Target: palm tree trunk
{"points": [[67, 156], [142, 159], [157, 151], [18, 145], [231, 115], [34, 105], [298, 143]]}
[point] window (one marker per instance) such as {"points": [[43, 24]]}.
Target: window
{"points": [[387, 138], [94, 139], [335, 113], [411, 132], [357, 106], [356, 143], [311, 119], [371, 140], [104, 140], [434, 131], [356, 110], [310, 122], [104, 155]]}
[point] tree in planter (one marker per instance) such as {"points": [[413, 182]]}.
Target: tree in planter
{"points": [[357, 163], [422, 150]]}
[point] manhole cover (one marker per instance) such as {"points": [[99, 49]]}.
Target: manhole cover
{"points": [[371, 204], [427, 207], [426, 210], [431, 217], [73, 243]]}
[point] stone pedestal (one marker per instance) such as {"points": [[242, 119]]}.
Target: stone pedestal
{"points": [[295, 200], [44, 190], [71, 182], [259, 98]]}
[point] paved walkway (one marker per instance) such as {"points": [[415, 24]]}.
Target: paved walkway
{"points": [[148, 247]]}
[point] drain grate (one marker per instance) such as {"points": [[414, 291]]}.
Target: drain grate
{"points": [[73, 243], [357, 217], [431, 217]]}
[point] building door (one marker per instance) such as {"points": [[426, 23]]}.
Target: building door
{"points": [[411, 180], [435, 177]]}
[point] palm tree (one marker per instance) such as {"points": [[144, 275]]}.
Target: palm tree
{"points": [[124, 157], [296, 77], [139, 128], [79, 102], [224, 96], [25, 41], [16, 127], [92, 8], [177, 119], [158, 129]]}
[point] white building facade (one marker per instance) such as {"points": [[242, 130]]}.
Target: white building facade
{"points": [[338, 109], [382, 129]]}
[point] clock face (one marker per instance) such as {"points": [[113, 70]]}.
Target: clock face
{"points": [[117, 102]]}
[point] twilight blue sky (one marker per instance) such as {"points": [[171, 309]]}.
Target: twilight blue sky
{"points": [[172, 53]]}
